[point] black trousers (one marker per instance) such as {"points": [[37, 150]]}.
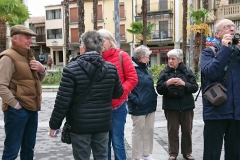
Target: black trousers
{"points": [[217, 131], [175, 119]]}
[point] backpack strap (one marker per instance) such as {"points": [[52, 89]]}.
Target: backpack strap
{"points": [[120, 59], [214, 50]]}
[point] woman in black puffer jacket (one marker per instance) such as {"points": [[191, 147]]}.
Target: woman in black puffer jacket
{"points": [[178, 109], [89, 118]]}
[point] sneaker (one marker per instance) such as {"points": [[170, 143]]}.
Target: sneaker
{"points": [[148, 158]]}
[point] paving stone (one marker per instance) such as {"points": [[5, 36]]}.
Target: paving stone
{"points": [[48, 148]]}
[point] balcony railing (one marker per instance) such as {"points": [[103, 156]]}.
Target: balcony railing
{"points": [[41, 38], [163, 34], [122, 37], [231, 11], [156, 6]]}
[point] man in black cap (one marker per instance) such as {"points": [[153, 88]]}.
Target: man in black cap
{"points": [[20, 90]]}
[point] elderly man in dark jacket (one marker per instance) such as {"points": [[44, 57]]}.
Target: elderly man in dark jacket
{"points": [[222, 122], [89, 118]]}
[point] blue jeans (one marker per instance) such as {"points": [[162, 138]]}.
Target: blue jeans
{"points": [[20, 129], [116, 134]]}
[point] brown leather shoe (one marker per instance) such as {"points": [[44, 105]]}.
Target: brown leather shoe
{"points": [[188, 157]]}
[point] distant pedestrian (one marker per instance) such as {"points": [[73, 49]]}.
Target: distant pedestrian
{"points": [[21, 93], [178, 106], [222, 123], [129, 80], [42, 58], [49, 62], [89, 118], [142, 104]]}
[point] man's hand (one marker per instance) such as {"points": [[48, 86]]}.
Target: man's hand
{"points": [[227, 40], [37, 66]]}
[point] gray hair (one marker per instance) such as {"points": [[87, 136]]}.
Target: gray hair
{"points": [[176, 52], [92, 41], [107, 35], [216, 26], [141, 51]]}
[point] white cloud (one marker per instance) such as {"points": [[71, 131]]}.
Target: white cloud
{"points": [[36, 7]]}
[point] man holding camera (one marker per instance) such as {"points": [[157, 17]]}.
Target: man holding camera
{"points": [[222, 122]]}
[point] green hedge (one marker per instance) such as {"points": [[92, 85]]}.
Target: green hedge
{"points": [[155, 70], [54, 78]]}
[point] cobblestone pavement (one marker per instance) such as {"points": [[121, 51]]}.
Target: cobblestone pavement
{"points": [[53, 149]]}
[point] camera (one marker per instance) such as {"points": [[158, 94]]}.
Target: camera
{"points": [[236, 38]]}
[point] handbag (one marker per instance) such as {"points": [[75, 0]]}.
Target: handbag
{"points": [[66, 134], [216, 93], [175, 91]]}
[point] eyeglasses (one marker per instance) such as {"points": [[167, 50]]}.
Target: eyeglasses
{"points": [[229, 26]]}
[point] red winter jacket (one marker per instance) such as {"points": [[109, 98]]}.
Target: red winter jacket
{"points": [[127, 73]]}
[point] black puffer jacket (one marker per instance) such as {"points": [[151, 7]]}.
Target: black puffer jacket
{"points": [[94, 114], [187, 101]]}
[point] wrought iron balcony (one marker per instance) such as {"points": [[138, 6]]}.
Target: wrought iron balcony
{"points": [[156, 7]]}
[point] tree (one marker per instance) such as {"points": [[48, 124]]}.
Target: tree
{"points": [[137, 28], [184, 29], [12, 12], [81, 25], [144, 17], [95, 4], [205, 6], [66, 15], [200, 27]]}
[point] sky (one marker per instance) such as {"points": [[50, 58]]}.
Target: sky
{"points": [[36, 7]]}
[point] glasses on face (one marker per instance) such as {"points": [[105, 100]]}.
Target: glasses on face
{"points": [[229, 26]]}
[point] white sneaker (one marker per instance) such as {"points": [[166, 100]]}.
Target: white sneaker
{"points": [[148, 158]]}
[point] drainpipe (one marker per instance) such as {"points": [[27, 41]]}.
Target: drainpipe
{"points": [[191, 39], [117, 22], [133, 20], [177, 24]]}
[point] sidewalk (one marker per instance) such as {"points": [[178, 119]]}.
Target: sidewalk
{"points": [[53, 149]]}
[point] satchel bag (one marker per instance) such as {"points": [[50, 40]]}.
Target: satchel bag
{"points": [[216, 93], [175, 91], [66, 135]]}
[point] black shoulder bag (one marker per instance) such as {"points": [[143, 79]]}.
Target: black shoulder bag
{"points": [[216, 93], [66, 135]]}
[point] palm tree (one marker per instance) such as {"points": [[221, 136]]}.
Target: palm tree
{"points": [[81, 25], [137, 28], [200, 27], [12, 12], [144, 16], [95, 4], [66, 15], [184, 29]]}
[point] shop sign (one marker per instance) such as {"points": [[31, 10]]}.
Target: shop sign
{"points": [[162, 50]]}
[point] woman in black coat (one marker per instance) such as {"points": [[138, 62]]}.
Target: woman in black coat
{"points": [[177, 84]]}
